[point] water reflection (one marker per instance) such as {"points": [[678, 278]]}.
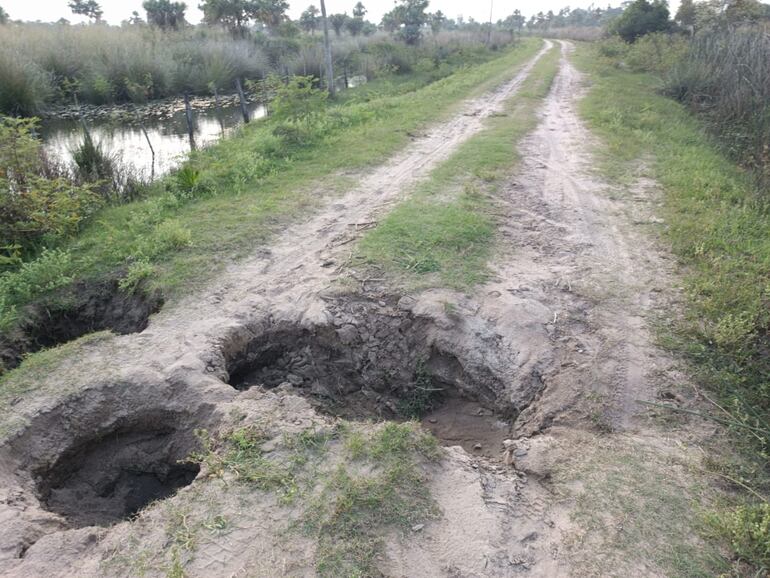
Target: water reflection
{"points": [[126, 140]]}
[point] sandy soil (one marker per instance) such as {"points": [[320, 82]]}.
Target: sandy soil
{"points": [[557, 346]]}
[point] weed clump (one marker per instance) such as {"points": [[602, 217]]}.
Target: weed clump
{"points": [[378, 485]]}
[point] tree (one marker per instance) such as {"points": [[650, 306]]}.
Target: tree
{"points": [[685, 16], [232, 14], [407, 19], [3, 16], [641, 17], [164, 13], [437, 21], [88, 8], [269, 12], [742, 11], [135, 19], [327, 51], [309, 19], [338, 22], [356, 24]]}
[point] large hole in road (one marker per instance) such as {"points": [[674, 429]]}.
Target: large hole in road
{"points": [[110, 477], [81, 309], [378, 362]]}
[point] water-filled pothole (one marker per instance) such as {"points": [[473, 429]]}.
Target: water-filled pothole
{"points": [[378, 362], [111, 477], [79, 310]]}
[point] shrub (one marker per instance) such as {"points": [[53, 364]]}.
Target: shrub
{"points": [[296, 100], [641, 17], [92, 163], [137, 272], [747, 528], [46, 273], [34, 207]]}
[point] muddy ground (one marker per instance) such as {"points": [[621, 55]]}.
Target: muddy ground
{"points": [[538, 377]]}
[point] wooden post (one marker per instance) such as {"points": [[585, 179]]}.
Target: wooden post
{"points": [[188, 116], [149, 144], [327, 52], [242, 98], [218, 109]]}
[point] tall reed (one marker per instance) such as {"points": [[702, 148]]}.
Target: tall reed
{"points": [[725, 77], [44, 64]]}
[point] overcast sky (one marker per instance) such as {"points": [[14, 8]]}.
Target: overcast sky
{"points": [[117, 10]]}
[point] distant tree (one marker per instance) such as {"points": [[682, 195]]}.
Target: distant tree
{"points": [[269, 12], [309, 19], [3, 16], [164, 13], [232, 14], [743, 11], [63, 22], [685, 15], [513, 23], [409, 16], [641, 17], [88, 8], [437, 21], [337, 22], [135, 19], [359, 11], [356, 24]]}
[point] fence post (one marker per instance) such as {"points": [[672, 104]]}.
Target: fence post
{"points": [[242, 98], [188, 116]]}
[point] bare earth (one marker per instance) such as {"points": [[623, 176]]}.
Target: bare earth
{"points": [[552, 356]]}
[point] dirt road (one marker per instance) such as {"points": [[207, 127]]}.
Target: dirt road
{"points": [[552, 355]]}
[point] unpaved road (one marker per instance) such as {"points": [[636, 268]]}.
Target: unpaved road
{"points": [[560, 335]]}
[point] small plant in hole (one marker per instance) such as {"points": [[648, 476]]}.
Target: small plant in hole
{"points": [[423, 397], [137, 272]]}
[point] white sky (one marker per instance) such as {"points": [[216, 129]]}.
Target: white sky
{"points": [[117, 10]]}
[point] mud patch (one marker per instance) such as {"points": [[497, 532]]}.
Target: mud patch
{"points": [[374, 360], [111, 477], [82, 309], [461, 422]]}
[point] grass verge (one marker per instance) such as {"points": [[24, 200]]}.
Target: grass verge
{"points": [[229, 198], [443, 234], [343, 487], [718, 226]]}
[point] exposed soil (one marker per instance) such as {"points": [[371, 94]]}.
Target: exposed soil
{"points": [[111, 477], [553, 352]]}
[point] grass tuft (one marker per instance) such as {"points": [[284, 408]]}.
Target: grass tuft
{"points": [[443, 234]]}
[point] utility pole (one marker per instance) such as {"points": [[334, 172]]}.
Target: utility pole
{"points": [[327, 52], [489, 31]]}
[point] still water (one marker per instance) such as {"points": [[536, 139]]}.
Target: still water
{"points": [[127, 142]]}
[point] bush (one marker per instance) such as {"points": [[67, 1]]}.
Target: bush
{"points": [[641, 17], [46, 273], [747, 528], [35, 207], [137, 272]]}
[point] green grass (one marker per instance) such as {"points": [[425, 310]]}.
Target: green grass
{"points": [[444, 233], [717, 224], [246, 186], [347, 501]]}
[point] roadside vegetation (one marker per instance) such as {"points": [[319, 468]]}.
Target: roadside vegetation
{"points": [[713, 171], [142, 60], [186, 223], [444, 233]]}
